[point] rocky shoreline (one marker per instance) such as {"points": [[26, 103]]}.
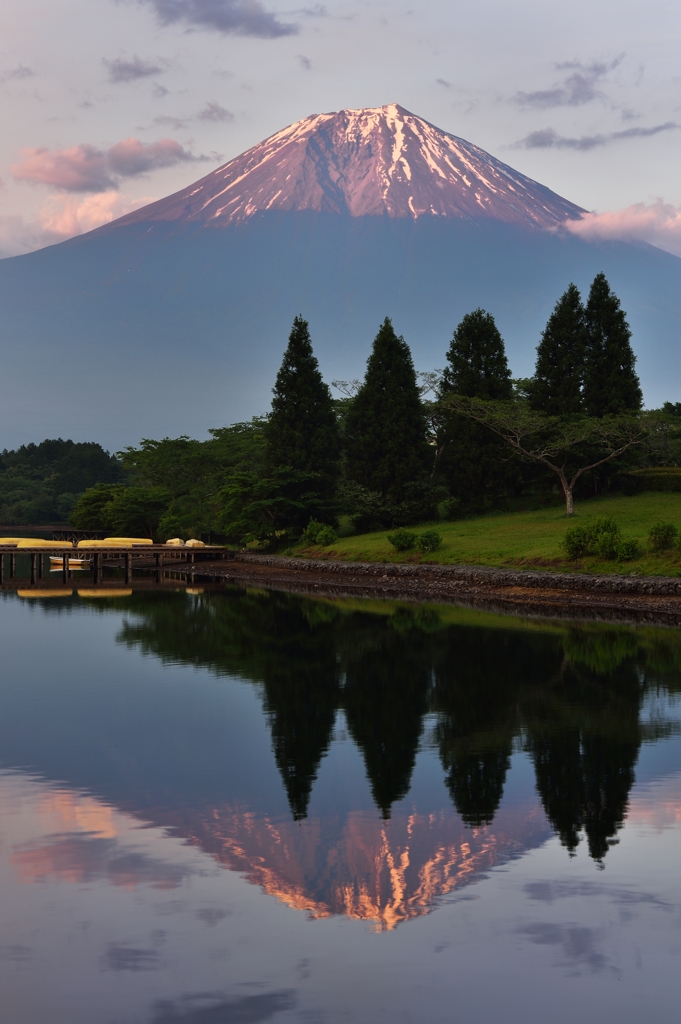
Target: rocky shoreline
{"points": [[653, 600]]}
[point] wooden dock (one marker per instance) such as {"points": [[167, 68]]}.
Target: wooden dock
{"points": [[145, 555]]}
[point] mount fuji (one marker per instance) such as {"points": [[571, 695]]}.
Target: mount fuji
{"points": [[173, 318]]}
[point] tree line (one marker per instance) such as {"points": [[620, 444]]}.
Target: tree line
{"points": [[400, 447]]}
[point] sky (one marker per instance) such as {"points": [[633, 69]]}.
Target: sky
{"points": [[109, 104]]}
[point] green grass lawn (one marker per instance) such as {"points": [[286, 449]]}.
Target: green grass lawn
{"points": [[530, 540]]}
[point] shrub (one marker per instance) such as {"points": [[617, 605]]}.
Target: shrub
{"points": [[662, 536], [312, 531], [577, 541], [402, 540], [627, 550], [430, 540], [607, 546], [602, 537], [327, 535]]}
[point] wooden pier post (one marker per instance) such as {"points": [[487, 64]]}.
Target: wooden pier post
{"points": [[41, 565], [2, 566], [65, 566], [34, 558], [95, 565], [12, 565], [128, 566]]}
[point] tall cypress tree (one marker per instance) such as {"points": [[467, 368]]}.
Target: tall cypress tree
{"points": [[477, 359], [611, 385], [473, 462], [559, 373], [302, 431], [386, 427]]}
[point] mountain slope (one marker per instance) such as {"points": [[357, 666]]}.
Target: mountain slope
{"points": [[173, 320], [371, 162]]}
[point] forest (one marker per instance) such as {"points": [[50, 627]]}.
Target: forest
{"points": [[396, 448]]}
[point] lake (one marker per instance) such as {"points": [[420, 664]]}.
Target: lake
{"points": [[227, 806]]}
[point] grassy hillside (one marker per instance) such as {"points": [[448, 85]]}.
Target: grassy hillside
{"points": [[530, 540]]}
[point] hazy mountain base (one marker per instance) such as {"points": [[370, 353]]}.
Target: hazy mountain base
{"points": [[167, 329]]}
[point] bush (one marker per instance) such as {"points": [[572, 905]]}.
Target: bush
{"points": [[327, 535], [602, 537], [430, 540], [312, 531], [662, 536], [627, 550], [577, 541], [607, 546], [402, 540]]}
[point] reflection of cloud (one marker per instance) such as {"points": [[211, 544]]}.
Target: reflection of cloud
{"points": [[214, 1008], [83, 857], [575, 89], [211, 916], [86, 169], [658, 223], [549, 892], [579, 945], [548, 138], [121, 957], [232, 17], [122, 70]]}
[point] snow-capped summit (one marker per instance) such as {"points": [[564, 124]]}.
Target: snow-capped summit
{"points": [[371, 162]]}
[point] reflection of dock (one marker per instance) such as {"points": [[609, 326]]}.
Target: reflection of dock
{"points": [[147, 556]]}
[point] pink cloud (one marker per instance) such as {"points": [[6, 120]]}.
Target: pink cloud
{"points": [[78, 169], [86, 169], [658, 223], [65, 216], [131, 157]]}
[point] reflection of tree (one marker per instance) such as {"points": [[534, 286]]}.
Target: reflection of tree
{"points": [[573, 695], [584, 737], [475, 698], [387, 676]]}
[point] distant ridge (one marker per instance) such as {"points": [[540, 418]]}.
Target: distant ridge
{"points": [[372, 162]]}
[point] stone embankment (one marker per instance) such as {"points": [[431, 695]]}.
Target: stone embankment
{"points": [[575, 595]]}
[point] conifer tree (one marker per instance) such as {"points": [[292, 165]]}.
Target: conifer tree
{"points": [[477, 359], [611, 385], [301, 434], [559, 373], [386, 427], [473, 462]]}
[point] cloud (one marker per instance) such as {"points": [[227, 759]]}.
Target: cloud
{"points": [[65, 216], [305, 62], [61, 217], [232, 17], [658, 223], [78, 169], [18, 72], [122, 70], [86, 169], [443, 82], [548, 138], [574, 91], [132, 157], [214, 112]]}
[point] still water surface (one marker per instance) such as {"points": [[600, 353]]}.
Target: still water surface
{"points": [[230, 807]]}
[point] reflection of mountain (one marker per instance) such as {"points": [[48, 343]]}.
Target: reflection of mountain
{"points": [[361, 866], [572, 701]]}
